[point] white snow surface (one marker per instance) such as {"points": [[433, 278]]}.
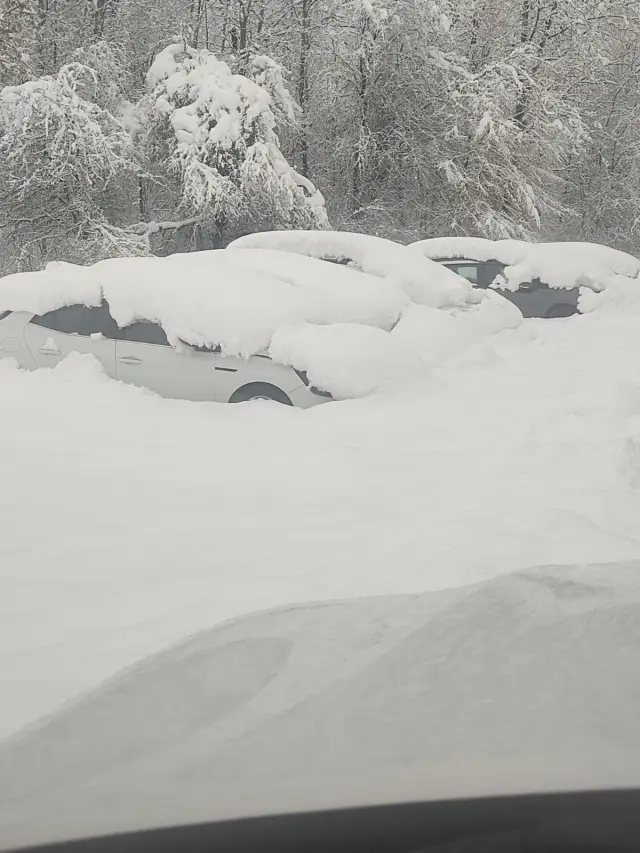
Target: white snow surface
{"points": [[561, 265], [472, 249], [340, 293], [305, 312], [424, 281], [349, 703], [129, 521]]}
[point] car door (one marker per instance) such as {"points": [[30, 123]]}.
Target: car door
{"points": [[75, 328], [144, 357]]}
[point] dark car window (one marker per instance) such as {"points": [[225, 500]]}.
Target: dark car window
{"points": [[491, 269], [79, 320], [143, 332]]}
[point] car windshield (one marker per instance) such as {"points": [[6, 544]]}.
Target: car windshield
{"points": [[319, 408]]}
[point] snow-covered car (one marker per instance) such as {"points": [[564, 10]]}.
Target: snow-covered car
{"points": [[140, 354], [422, 279], [252, 323], [541, 279], [483, 263], [534, 298]]}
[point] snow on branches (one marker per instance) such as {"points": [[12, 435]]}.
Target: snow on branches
{"points": [[60, 153], [218, 131]]}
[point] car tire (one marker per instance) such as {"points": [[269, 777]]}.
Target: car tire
{"points": [[561, 310], [260, 391]]}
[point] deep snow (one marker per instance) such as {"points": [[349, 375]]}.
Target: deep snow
{"points": [[128, 521], [523, 683]]}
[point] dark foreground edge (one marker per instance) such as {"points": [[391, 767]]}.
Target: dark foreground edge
{"points": [[592, 821]]}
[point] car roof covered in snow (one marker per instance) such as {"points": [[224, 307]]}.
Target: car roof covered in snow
{"points": [[425, 282]]}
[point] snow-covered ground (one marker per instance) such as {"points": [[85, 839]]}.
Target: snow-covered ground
{"points": [[524, 683], [129, 522]]}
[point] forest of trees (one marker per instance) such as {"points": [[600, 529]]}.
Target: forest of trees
{"points": [[129, 126]]}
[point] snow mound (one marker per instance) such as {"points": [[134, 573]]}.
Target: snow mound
{"points": [[424, 281], [439, 335], [390, 698], [621, 294], [350, 360]]}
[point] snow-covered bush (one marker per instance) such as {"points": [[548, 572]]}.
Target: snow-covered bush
{"points": [[216, 130]]}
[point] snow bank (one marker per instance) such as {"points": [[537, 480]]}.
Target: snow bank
{"points": [[439, 335], [524, 451], [424, 281], [348, 360], [455, 693], [621, 294]]}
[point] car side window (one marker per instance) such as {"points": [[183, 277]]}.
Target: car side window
{"points": [[492, 269], [468, 271], [79, 320], [143, 332]]}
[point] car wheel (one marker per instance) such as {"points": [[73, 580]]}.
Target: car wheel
{"points": [[260, 391], [561, 310]]}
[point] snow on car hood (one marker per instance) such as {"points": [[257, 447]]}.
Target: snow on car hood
{"points": [[424, 281], [395, 698], [344, 327]]}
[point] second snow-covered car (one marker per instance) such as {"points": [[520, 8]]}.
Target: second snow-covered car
{"points": [[141, 355]]}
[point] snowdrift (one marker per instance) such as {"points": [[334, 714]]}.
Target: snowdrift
{"points": [[421, 689]]}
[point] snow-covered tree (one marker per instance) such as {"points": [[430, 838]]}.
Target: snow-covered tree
{"points": [[216, 132], [414, 117], [511, 135], [17, 29], [63, 160]]}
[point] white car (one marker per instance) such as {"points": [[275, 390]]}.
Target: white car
{"points": [[141, 355]]}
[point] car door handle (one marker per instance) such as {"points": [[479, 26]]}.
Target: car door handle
{"points": [[50, 351], [228, 369], [130, 359]]}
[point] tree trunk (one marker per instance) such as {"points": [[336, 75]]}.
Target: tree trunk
{"points": [[303, 84]]}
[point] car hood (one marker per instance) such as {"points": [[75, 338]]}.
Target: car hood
{"points": [[525, 683]]}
